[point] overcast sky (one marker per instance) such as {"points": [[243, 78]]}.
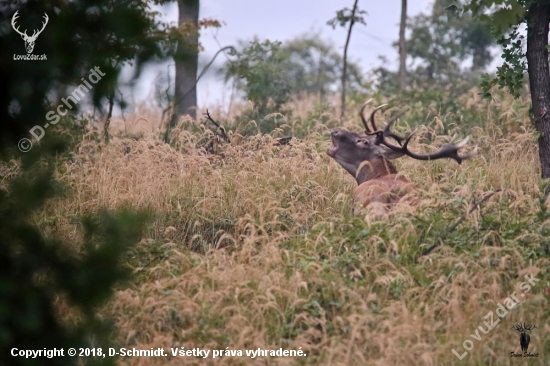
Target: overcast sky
{"points": [[282, 20]]}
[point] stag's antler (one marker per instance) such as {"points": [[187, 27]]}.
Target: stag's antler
{"points": [[24, 34], [386, 131], [522, 327], [450, 150], [367, 129]]}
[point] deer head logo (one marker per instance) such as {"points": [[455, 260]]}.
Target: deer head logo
{"points": [[524, 337], [29, 40]]}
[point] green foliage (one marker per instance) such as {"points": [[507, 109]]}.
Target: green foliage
{"points": [[511, 73], [50, 289], [259, 73], [346, 15], [503, 15], [271, 73], [504, 18], [36, 272], [437, 48], [314, 66], [487, 82], [185, 31], [441, 41], [106, 34]]}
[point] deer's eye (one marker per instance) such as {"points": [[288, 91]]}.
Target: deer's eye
{"points": [[363, 142]]}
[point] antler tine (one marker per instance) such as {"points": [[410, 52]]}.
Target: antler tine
{"points": [[463, 142], [44, 23], [361, 113], [13, 19], [371, 117], [386, 132]]}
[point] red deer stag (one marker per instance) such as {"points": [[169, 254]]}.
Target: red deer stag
{"points": [[367, 157]]}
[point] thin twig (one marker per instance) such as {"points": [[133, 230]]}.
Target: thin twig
{"points": [[205, 68], [344, 69], [458, 222]]}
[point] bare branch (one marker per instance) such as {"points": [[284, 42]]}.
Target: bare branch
{"points": [[458, 222], [283, 141], [221, 128]]}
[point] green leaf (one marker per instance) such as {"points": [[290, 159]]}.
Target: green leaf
{"points": [[507, 17], [487, 82]]}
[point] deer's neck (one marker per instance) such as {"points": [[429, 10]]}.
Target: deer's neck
{"points": [[374, 169]]}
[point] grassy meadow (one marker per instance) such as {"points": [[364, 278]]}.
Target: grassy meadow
{"points": [[253, 246]]}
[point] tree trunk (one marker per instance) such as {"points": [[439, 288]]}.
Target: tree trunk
{"points": [[402, 47], [344, 70], [538, 19], [187, 60], [111, 99]]}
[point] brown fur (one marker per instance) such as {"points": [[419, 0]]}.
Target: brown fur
{"points": [[379, 183]]}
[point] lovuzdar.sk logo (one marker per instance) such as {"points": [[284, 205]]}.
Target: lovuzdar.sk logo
{"points": [[524, 339], [29, 40]]}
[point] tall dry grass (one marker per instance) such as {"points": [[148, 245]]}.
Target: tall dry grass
{"points": [[254, 247]]}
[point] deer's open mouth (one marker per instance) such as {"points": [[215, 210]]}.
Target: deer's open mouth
{"points": [[331, 151]]}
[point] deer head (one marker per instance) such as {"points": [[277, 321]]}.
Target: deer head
{"points": [[29, 40], [367, 158]]}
